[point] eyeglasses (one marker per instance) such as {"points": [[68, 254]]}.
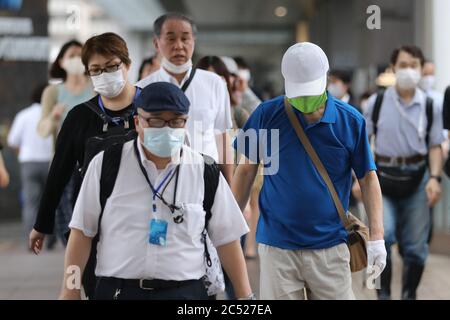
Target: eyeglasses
{"points": [[109, 69], [161, 123]]}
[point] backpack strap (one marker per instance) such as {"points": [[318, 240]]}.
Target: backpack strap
{"points": [[429, 112], [105, 118], [110, 168], [377, 109], [211, 175], [188, 81]]}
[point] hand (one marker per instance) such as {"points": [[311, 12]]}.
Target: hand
{"points": [[356, 191], [36, 241], [58, 111], [4, 177], [433, 190], [376, 255]]}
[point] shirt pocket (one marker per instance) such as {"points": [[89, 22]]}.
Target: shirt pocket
{"points": [[194, 215]]}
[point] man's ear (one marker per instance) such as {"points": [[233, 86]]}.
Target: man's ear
{"points": [[155, 43], [136, 122]]}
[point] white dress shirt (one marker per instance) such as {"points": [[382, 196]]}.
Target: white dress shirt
{"points": [[24, 136], [124, 250], [210, 110]]}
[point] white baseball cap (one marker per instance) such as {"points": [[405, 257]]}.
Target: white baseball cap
{"points": [[230, 64], [304, 68]]}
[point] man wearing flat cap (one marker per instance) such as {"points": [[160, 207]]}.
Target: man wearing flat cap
{"points": [[152, 225]]}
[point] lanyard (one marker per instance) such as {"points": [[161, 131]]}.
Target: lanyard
{"points": [[117, 120], [173, 173]]}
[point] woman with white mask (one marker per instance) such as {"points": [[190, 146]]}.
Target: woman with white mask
{"points": [[106, 60], [59, 99]]}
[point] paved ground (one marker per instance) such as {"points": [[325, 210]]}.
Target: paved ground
{"points": [[25, 276]]}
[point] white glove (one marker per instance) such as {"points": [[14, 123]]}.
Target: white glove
{"points": [[376, 256]]}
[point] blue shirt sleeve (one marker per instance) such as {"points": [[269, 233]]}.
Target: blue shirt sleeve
{"points": [[362, 157], [247, 141]]}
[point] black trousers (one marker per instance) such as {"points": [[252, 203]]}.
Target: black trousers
{"points": [[107, 290]]}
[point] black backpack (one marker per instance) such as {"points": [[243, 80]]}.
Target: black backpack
{"points": [[110, 168], [111, 135]]}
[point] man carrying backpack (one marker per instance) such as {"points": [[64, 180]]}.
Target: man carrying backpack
{"points": [[146, 200], [408, 135]]}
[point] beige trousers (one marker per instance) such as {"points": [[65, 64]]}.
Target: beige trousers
{"points": [[305, 274]]}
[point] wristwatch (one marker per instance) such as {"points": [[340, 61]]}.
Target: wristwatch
{"points": [[438, 178]]}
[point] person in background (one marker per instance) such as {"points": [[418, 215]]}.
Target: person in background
{"points": [[35, 154], [339, 83], [148, 66], [210, 112], [249, 102], [57, 101], [428, 81], [217, 65], [409, 159], [4, 175], [249, 98], [227, 69], [427, 84]]}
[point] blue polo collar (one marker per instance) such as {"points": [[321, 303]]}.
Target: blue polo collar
{"points": [[329, 115]]}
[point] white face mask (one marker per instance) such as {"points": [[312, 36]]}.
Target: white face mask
{"points": [[73, 66], [336, 90], [173, 68], [427, 83], [164, 142], [407, 79], [109, 85]]}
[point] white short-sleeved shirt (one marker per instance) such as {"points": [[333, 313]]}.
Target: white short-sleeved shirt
{"points": [[24, 135], [210, 110], [124, 250]]}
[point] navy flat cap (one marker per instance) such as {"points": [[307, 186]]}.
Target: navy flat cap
{"points": [[163, 96]]}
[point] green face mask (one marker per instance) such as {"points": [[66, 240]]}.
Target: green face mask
{"points": [[308, 104]]}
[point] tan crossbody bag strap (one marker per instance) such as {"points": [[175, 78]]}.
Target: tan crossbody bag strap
{"points": [[316, 160]]}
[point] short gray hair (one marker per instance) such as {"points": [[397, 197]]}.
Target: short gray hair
{"points": [[158, 24]]}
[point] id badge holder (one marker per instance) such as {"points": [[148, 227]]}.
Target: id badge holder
{"points": [[158, 232]]}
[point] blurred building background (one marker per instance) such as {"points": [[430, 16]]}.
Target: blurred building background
{"points": [[32, 31]]}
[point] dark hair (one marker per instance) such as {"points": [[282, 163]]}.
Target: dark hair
{"points": [[107, 44], [415, 51], [158, 24], [344, 75], [56, 71], [241, 63], [36, 94], [145, 62], [219, 68]]}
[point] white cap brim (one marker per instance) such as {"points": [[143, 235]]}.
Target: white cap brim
{"points": [[306, 89]]}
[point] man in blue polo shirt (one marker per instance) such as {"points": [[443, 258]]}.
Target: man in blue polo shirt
{"points": [[302, 239]]}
